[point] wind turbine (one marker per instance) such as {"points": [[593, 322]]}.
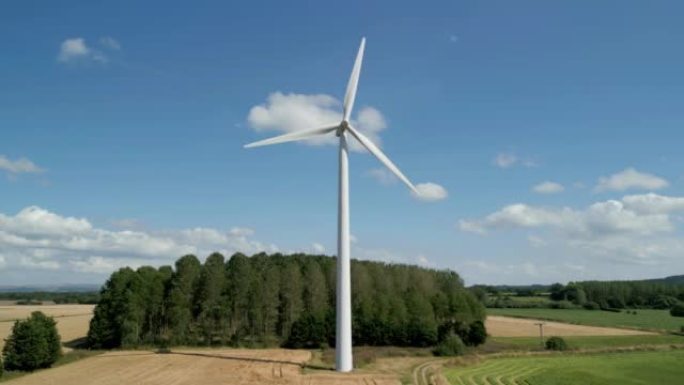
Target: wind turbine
{"points": [[343, 350]]}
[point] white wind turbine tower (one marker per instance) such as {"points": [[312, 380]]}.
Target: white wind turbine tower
{"points": [[343, 350]]}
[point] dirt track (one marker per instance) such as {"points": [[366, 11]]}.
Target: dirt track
{"points": [[198, 367], [499, 326]]}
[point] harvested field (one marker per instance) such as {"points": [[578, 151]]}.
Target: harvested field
{"points": [[72, 320], [499, 326], [198, 367]]}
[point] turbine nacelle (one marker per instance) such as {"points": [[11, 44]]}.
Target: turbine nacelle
{"points": [[344, 125]]}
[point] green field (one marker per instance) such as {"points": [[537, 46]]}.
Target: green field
{"points": [[655, 367], [584, 342], [658, 320]]}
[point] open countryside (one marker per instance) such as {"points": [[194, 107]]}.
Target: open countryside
{"points": [[72, 320], [642, 319], [631, 368], [341, 193], [245, 366]]}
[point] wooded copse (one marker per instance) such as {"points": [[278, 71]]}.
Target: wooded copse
{"points": [[620, 294], [267, 300]]}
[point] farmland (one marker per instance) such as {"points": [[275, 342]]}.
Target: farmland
{"points": [[645, 319], [242, 366], [499, 326], [72, 320], [198, 367], [653, 367]]}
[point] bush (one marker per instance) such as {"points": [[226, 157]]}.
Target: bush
{"points": [[556, 343], [664, 302], [472, 334], [33, 344], [677, 310], [562, 305], [451, 346], [307, 332], [477, 334], [591, 306], [1, 367]]}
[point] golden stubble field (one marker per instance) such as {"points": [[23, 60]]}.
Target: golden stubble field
{"points": [[72, 320], [199, 367], [499, 326], [233, 366]]}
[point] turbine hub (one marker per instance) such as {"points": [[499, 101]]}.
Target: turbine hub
{"points": [[343, 126]]}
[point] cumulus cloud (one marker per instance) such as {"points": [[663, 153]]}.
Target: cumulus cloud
{"points": [[509, 159], [317, 248], [630, 179], [75, 50], [285, 113], [19, 166], [36, 238], [505, 160], [637, 228], [430, 192], [652, 203], [382, 175], [548, 187], [110, 42]]}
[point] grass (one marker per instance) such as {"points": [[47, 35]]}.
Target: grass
{"points": [[366, 355], [645, 319], [67, 358], [653, 367], [582, 342]]}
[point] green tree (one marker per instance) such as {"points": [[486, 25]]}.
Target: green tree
{"points": [[33, 344], [212, 305], [291, 303], [183, 286]]}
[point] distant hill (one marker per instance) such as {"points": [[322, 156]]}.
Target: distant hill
{"points": [[671, 280], [73, 288]]}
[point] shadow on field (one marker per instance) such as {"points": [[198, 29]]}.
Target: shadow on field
{"points": [[78, 343], [250, 359]]}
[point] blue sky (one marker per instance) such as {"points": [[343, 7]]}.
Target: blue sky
{"points": [[122, 125]]}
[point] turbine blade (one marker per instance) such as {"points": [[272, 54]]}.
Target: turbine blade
{"points": [[373, 149], [292, 136], [353, 82]]}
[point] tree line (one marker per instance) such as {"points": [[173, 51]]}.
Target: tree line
{"points": [[289, 300], [619, 294]]}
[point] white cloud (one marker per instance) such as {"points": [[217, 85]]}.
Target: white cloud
{"points": [[77, 50], [599, 218], [284, 113], [73, 49], [653, 203], [505, 160], [636, 229], [536, 241], [423, 260], [317, 248], [97, 264], [19, 166], [430, 192], [548, 187], [110, 43], [509, 159], [630, 179], [36, 238], [382, 175], [2, 261]]}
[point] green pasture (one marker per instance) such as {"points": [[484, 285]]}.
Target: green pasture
{"points": [[633, 368], [646, 319], [584, 342]]}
